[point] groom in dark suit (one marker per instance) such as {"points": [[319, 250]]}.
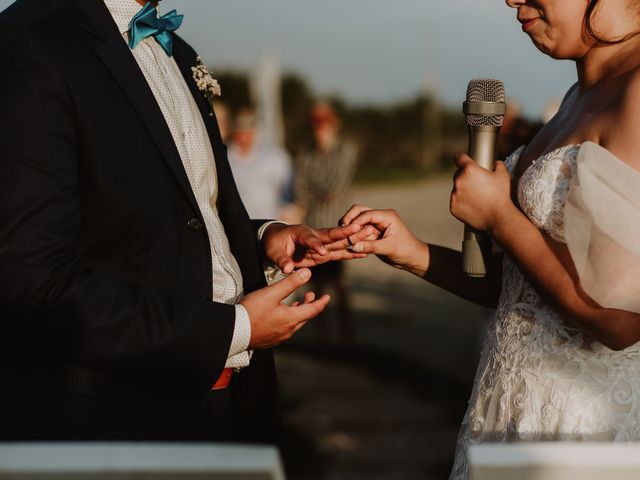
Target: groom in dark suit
{"points": [[133, 304]]}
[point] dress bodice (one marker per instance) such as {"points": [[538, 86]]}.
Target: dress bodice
{"points": [[544, 186], [538, 377]]}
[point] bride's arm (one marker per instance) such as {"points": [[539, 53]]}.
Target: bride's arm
{"points": [[445, 271], [546, 263], [400, 248]]}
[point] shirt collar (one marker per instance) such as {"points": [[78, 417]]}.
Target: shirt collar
{"points": [[122, 12]]}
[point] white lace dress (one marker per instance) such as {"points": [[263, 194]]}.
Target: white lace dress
{"points": [[538, 379]]}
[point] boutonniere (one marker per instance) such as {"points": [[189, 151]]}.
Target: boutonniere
{"points": [[208, 85]]}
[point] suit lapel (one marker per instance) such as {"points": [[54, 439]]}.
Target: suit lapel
{"points": [[117, 57], [94, 17], [185, 59]]}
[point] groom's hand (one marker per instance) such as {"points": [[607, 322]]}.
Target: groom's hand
{"points": [[298, 246], [272, 321]]}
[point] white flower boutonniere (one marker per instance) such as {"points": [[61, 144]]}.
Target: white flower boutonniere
{"points": [[205, 82]]}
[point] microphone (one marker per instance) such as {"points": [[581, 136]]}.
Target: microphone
{"points": [[484, 110]]}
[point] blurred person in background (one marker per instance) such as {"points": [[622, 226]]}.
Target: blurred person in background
{"points": [[323, 178], [262, 171], [561, 360]]}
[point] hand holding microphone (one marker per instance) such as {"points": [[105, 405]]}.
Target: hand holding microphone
{"points": [[481, 198], [484, 109]]}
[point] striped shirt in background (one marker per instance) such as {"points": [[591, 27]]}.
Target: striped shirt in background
{"points": [[322, 183]]}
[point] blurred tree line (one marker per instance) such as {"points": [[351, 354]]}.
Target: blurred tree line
{"points": [[403, 140]]}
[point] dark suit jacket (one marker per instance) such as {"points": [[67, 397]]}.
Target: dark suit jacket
{"points": [[107, 330]]}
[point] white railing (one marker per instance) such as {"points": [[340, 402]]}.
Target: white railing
{"points": [[555, 461], [119, 461]]}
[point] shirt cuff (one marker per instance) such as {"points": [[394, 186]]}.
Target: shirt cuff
{"points": [[265, 225], [241, 332]]}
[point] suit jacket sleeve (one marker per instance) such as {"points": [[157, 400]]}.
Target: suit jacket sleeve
{"points": [[53, 301]]}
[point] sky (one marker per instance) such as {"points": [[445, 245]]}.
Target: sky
{"points": [[377, 51]]}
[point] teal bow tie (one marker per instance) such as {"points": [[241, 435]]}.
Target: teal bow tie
{"points": [[146, 23]]}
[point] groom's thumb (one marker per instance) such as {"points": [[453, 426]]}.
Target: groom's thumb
{"points": [[287, 286]]}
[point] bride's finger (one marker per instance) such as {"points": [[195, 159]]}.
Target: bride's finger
{"points": [[335, 234], [382, 247], [380, 219], [369, 232], [353, 212], [312, 260], [344, 254], [461, 160], [371, 238]]}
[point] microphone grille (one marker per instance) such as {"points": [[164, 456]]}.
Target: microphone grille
{"points": [[485, 90]]}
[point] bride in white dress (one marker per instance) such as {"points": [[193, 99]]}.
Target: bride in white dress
{"points": [[556, 364]]}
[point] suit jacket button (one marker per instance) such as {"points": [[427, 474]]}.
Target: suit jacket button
{"points": [[194, 224]]}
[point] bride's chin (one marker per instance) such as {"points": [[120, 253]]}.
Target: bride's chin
{"points": [[556, 50], [547, 50]]}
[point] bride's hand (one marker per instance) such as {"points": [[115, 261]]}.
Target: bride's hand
{"points": [[480, 198], [390, 239]]}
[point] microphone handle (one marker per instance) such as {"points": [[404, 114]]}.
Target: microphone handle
{"points": [[476, 247]]}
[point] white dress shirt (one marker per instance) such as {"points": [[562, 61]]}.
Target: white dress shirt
{"points": [[194, 146]]}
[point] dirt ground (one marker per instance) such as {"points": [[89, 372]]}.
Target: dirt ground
{"points": [[389, 405]]}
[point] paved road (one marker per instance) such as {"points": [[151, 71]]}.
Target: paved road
{"points": [[389, 406]]}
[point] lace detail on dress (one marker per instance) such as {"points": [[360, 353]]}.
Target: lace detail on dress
{"points": [[539, 379], [543, 189]]}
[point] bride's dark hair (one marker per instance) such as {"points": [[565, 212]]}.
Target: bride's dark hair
{"points": [[593, 34]]}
